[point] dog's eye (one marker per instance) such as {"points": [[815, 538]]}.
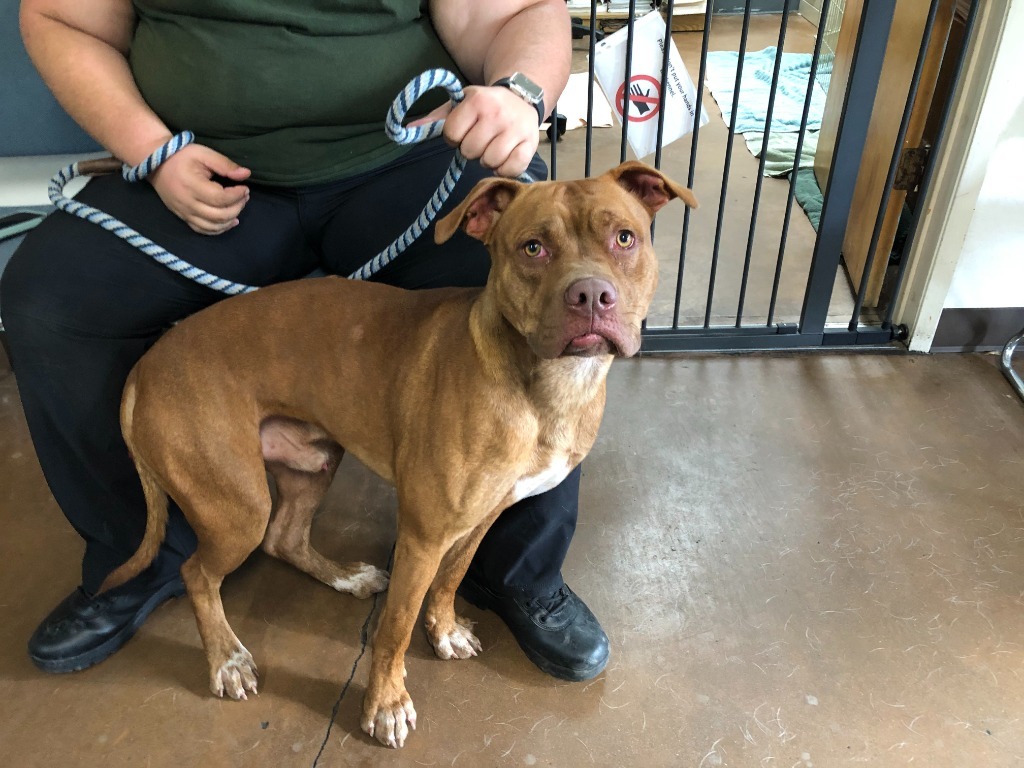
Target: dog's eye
{"points": [[625, 239], [534, 249]]}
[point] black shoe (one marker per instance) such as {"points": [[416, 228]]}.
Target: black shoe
{"points": [[557, 632], [85, 630]]}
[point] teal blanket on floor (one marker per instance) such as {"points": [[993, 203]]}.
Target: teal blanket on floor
{"points": [[755, 89], [787, 112]]}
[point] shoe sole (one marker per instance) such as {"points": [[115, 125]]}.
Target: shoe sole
{"points": [[479, 597], [173, 588]]}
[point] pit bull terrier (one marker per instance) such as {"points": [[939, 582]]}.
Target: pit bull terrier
{"points": [[468, 400]]}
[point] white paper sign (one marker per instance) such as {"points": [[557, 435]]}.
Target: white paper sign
{"points": [[642, 99]]}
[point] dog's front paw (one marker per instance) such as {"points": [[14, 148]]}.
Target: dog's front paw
{"points": [[390, 719], [457, 643], [366, 580], [235, 676]]}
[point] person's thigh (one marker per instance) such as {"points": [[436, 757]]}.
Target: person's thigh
{"points": [[380, 207], [73, 274], [80, 307]]}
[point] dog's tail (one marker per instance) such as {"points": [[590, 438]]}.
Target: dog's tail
{"points": [[156, 504]]}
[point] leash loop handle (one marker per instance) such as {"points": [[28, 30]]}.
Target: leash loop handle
{"points": [[122, 230], [416, 88], [400, 134], [429, 80], [154, 161]]}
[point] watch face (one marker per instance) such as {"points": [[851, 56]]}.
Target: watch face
{"points": [[526, 88]]}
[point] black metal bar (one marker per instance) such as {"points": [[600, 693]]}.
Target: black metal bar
{"points": [[731, 340], [553, 134], [866, 68], [808, 100], [758, 331], [929, 171], [625, 81], [665, 56], [591, 78], [666, 50], [693, 159], [894, 163], [728, 163], [784, 22]]}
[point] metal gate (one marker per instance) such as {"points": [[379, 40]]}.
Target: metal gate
{"points": [[732, 277]]}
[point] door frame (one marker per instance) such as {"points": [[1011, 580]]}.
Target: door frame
{"points": [[959, 172]]}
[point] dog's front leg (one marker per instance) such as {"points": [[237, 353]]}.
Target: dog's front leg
{"points": [[388, 713]]}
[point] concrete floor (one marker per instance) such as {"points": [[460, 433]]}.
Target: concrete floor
{"points": [[801, 560]]}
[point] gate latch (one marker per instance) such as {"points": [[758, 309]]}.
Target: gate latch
{"points": [[910, 171]]}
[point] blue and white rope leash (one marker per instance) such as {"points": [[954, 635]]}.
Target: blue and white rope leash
{"points": [[434, 78], [122, 230]]}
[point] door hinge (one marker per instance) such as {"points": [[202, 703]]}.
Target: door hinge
{"points": [[910, 171]]}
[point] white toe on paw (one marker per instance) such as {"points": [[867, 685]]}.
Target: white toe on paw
{"points": [[391, 727], [235, 676], [366, 581], [460, 643]]}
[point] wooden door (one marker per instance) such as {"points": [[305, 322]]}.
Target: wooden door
{"points": [[897, 72]]}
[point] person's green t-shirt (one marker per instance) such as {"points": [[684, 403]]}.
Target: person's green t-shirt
{"points": [[296, 90]]}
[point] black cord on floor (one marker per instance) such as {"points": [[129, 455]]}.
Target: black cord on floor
{"points": [[364, 637]]}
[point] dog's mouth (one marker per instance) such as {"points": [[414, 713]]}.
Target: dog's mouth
{"points": [[590, 344], [567, 333], [589, 337]]}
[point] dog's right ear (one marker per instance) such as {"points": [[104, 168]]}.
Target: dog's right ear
{"points": [[480, 211]]}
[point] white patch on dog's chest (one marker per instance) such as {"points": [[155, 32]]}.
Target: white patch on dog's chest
{"points": [[545, 480]]}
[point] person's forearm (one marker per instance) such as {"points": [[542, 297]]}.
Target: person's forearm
{"points": [[90, 77], [536, 43], [489, 44]]}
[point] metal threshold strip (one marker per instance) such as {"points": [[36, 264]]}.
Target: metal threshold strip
{"points": [[767, 338]]}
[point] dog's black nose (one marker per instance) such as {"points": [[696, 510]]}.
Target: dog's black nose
{"points": [[591, 295]]}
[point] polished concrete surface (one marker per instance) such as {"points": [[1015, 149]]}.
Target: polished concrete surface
{"points": [[801, 560]]}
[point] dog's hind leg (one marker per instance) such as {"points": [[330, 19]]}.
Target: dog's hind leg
{"points": [[299, 494], [229, 525]]}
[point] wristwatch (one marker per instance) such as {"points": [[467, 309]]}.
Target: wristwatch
{"points": [[527, 90]]}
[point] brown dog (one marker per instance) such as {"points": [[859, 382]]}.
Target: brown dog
{"points": [[466, 399]]}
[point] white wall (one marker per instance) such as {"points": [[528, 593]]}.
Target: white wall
{"points": [[990, 272], [972, 222]]}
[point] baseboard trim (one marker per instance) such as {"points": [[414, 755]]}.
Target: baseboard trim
{"points": [[977, 330]]}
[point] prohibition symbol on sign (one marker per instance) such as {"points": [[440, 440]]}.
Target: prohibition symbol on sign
{"points": [[644, 98]]}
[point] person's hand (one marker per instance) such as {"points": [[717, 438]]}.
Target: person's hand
{"points": [[186, 185], [492, 125]]}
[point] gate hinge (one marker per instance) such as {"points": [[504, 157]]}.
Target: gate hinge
{"points": [[910, 171]]}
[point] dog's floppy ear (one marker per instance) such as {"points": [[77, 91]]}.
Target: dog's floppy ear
{"points": [[481, 209], [653, 188]]}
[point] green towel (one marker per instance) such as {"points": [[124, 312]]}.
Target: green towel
{"points": [[808, 195], [782, 150]]}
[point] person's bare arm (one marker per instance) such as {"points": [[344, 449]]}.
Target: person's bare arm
{"points": [[80, 48], [491, 40]]}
